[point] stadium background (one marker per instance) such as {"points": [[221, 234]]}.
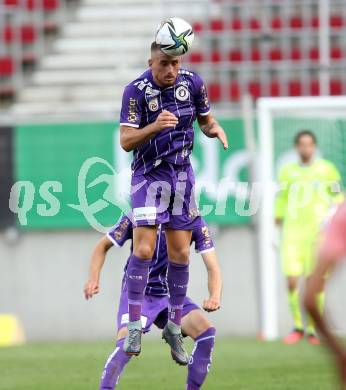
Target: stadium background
{"points": [[63, 65]]}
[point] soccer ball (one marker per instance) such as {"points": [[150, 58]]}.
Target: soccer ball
{"points": [[175, 36]]}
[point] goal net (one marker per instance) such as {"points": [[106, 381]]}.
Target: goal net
{"points": [[279, 119]]}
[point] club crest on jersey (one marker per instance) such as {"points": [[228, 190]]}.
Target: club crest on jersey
{"points": [[182, 93], [153, 104]]}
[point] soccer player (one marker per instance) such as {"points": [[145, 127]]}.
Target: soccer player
{"points": [[308, 188], [156, 123], [332, 250], [155, 305]]}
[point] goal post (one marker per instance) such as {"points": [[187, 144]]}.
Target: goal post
{"points": [[293, 110]]}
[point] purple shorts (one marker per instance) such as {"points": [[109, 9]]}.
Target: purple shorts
{"points": [[154, 310], [165, 196]]}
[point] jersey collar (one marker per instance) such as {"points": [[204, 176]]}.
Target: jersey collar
{"points": [[306, 165]]}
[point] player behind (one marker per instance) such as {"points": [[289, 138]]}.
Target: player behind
{"points": [[155, 304], [156, 123], [332, 250], [308, 188]]}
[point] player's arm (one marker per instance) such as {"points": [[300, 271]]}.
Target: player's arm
{"points": [[211, 128], [118, 235], [214, 281], [96, 263], [333, 249], [206, 121], [334, 179], [134, 137], [281, 197], [314, 286]]}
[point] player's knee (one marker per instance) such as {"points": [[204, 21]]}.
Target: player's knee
{"points": [[180, 255], [292, 283], [144, 251]]}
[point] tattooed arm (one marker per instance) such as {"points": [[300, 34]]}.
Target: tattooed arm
{"points": [[211, 128]]}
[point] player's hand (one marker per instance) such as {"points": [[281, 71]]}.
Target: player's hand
{"points": [[278, 221], [91, 287], [211, 304], [166, 120], [218, 132]]}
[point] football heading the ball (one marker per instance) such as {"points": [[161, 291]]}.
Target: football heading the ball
{"points": [[175, 36]]}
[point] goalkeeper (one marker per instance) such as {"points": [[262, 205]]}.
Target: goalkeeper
{"points": [[308, 188]]}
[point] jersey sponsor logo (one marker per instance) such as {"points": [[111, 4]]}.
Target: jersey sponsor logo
{"points": [[120, 230], [132, 116], [150, 92], [206, 236], [143, 84], [182, 93], [184, 71], [141, 213], [135, 277], [153, 104]]}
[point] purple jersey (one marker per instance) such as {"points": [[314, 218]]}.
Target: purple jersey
{"points": [[143, 101], [157, 283]]}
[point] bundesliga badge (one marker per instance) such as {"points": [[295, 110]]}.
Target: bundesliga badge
{"points": [[153, 104], [182, 93]]}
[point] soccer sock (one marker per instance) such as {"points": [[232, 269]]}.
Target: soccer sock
{"points": [[293, 297], [137, 277], [320, 303], [114, 367], [177, 279], [200, 359]]}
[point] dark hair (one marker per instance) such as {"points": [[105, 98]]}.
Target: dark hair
{"points": [[154, 46], [303, 133]]}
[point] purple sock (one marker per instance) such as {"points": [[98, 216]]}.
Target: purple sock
{"points": [[114, 367], [200, 359], [177, 278], [137, 278]]}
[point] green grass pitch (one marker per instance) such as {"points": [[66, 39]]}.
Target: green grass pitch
{"points": [[241, 364]]}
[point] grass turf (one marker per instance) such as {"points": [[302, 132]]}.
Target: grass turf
{"points": [[241, 364]]}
